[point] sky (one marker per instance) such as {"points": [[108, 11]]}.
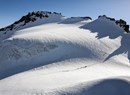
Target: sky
{"points": [[13, 10]]}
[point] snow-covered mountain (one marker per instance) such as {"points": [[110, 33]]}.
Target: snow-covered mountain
{"points": [[56, 55]]}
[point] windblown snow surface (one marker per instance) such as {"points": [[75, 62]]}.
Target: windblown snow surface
{"points": [[66, 57]]}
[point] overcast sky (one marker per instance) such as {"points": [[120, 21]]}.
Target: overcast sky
{"points": [[12, 10]]}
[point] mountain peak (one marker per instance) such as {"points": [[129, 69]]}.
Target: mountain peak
{"points": [[30, 17], [122, 23]]}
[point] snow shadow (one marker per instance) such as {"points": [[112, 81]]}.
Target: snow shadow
{"points": [[107, 28], [109, 87], [124, 47], [73, 20], [27, 55], [102, 87]]}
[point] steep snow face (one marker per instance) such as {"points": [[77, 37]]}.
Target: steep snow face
{"points": [[104, 27], [70, 57]]}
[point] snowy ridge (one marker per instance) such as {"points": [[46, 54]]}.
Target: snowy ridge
{"points": [[72, 56], [30, 20], [39, 18]]}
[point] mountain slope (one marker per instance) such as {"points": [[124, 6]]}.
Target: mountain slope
{"points": [[72, 56], [30, 20]]}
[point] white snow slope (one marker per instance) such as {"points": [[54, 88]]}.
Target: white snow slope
{"points": [[66, 58]]}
